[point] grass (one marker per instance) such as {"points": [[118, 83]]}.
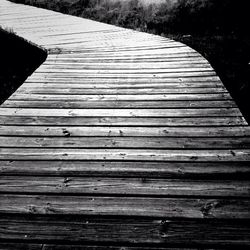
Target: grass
{"points": [[18, 60]]}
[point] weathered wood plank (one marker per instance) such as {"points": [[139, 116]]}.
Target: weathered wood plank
{"points": [[98, 91], [180, 80], [148, 97], [29, 246], [123, 121], [143, 169], [126, 186], [78, 54], [136, 53], [126, 142], [129, 206], [123, 85], [24, 246], [120, 131], [180, 112], [12, 103], [113, 75], [62, 59], [135, 231], [114, 72], [55, 65], [234, 155]]}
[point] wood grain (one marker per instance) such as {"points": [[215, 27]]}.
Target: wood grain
{"points": [[129, 206], [143, 169], [27, 246], [159, 232], [124, 186], [119, 140]]}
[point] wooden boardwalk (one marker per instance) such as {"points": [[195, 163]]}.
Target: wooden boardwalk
{"points": [[120, 140]]}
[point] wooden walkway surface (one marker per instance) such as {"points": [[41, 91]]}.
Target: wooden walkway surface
{"points": [[120, 140]]}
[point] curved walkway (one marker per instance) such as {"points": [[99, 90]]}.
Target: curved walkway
{"points": [[121, 139]]}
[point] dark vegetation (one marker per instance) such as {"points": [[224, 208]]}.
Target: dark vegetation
{"points": [[18, 60], [218, 29]]}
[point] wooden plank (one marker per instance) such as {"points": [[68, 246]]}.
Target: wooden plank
{"points": [[134, 231], [50, 79], [23, 246], [57, 24], [179, 80], [123, 121], [148, 97], [143, 169], [127, 186], [126, 142], [29, 246], [98, 91], [158, 52], [167, 86], [123, 71], [64, 59], [234, 131], [123, 112], [81, 55], [234, 155], [127, 206], [168, 50], [80, 43], [118, 35], [83, 247], [113, 75], [122, 85], [12, 103], [60, 63]]}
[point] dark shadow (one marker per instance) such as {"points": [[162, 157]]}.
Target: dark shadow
{"points": [[19, 59]]}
